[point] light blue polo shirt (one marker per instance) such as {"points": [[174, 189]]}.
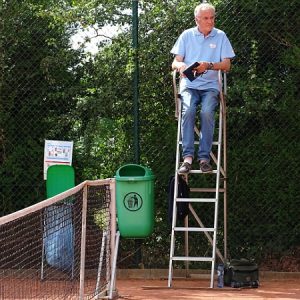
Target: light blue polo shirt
{"points": [[193, 46]]}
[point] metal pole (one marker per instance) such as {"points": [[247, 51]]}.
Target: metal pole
{"points": [[114, 267], [135, 22], [135, 46], [113, 230], [83, 243], [225, 165]]}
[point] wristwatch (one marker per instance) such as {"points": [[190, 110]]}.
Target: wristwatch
{"points": [[210, 66]]}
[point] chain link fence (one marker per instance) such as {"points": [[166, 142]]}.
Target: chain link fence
{"points": [[53, 87]]}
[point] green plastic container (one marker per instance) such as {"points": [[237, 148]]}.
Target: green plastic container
{"points": [[59, 179], [135, 201]]}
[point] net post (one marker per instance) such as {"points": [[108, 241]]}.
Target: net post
{"points": [[112, 208], [114, 267], [113, 224], [83, 243]]}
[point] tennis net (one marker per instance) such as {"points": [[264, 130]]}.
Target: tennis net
{"points": [[61, 247]]}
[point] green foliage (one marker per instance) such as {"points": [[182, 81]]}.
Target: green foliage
{"points": [[38, 83]]}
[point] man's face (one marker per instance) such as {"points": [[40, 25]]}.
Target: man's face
{"points": [[205, 21]]}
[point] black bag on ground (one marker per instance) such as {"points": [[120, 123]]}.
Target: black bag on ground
{"points": [[241, 273], [183, 192]]}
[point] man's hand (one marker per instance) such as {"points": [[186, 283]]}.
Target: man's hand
{"points": [[181, 68], [202, 67], [179, 65]]}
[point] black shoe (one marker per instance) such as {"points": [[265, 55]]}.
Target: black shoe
{"points": [[185, 168], [205, 167]]}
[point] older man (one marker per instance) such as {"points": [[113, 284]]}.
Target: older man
{"points": [[211, 48]]}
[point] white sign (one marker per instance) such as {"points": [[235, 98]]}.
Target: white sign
{"points": [[57, 152]]}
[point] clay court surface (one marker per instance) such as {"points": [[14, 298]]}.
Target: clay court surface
{"points": [[283, 287], [138, 289]]}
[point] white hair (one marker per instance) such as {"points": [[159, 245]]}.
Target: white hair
{"points": [[203, 6]]}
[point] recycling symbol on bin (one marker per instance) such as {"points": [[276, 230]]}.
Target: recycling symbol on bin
{"points": [[133, 201]]}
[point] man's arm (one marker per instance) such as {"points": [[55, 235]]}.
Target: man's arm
{"points": [[179, 64], [223, 65]]}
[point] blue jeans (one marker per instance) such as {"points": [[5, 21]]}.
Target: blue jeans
{"points": [[209, 100]]}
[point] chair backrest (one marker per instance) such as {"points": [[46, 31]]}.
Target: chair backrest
{"points": [[59, 179]]}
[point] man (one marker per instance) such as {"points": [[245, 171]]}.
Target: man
{"points": [[211, 48]]}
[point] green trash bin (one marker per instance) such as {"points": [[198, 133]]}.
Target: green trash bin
{"points": [[135, 201]]}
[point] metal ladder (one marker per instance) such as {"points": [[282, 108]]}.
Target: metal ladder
{"points": [[219, 170]]}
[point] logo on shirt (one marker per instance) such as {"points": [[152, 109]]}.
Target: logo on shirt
{"points": [[212, 46]]}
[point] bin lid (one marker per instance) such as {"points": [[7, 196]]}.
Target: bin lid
{"points": [[134, 172]]}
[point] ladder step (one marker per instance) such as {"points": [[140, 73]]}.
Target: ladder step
{"points": [[197, 143], [203, 200], [206, 190], [192, 258], [194, 229], [200, 172]]}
